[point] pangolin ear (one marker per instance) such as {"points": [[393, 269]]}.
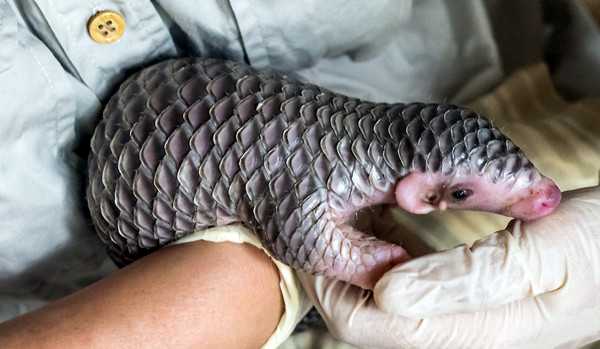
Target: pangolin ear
{"points": [[418, 193]]}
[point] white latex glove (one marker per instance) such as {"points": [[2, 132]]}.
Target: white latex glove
{"points": [[534, 285]]}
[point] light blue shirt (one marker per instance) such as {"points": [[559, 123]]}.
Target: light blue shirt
{"points": [[54, 79]]}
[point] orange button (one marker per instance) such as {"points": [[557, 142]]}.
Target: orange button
{"points": [[106, 27]]}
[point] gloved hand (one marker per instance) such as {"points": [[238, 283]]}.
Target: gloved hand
{"points": [[534, 285]]}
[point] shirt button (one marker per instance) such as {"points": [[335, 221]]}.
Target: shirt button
{"points": [[106, 27]]}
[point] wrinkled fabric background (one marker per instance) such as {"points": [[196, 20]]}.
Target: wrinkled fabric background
{"points": [[532, 67]]}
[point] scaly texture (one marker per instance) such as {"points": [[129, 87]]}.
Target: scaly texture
{"points": [[191, 143]]}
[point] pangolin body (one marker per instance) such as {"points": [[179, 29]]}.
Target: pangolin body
{"points": [[194, 143]]}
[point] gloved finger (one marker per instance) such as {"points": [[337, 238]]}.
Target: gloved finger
{"points": [[351, 314], [567, 319], [381, 221], [527, 259]]}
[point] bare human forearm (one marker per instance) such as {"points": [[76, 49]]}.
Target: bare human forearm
{"points": [[199, 294]]}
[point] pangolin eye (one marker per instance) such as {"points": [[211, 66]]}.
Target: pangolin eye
{"points": [[462, 194]]}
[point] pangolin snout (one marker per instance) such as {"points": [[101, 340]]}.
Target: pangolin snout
{"points": [[534, 201], [547, 200]]}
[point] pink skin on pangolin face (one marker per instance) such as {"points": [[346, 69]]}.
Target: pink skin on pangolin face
{"points": [[527, 196]]}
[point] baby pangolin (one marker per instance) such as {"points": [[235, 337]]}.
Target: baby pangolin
{"points": [[191, 143]]}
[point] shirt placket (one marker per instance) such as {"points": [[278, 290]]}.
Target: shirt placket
{"points": [[139, 39]]}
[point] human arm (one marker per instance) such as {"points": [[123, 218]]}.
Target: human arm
{"points": [[215, 295], [532, 285]]}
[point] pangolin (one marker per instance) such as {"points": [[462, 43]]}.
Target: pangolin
{"points": [[193, 143]]}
